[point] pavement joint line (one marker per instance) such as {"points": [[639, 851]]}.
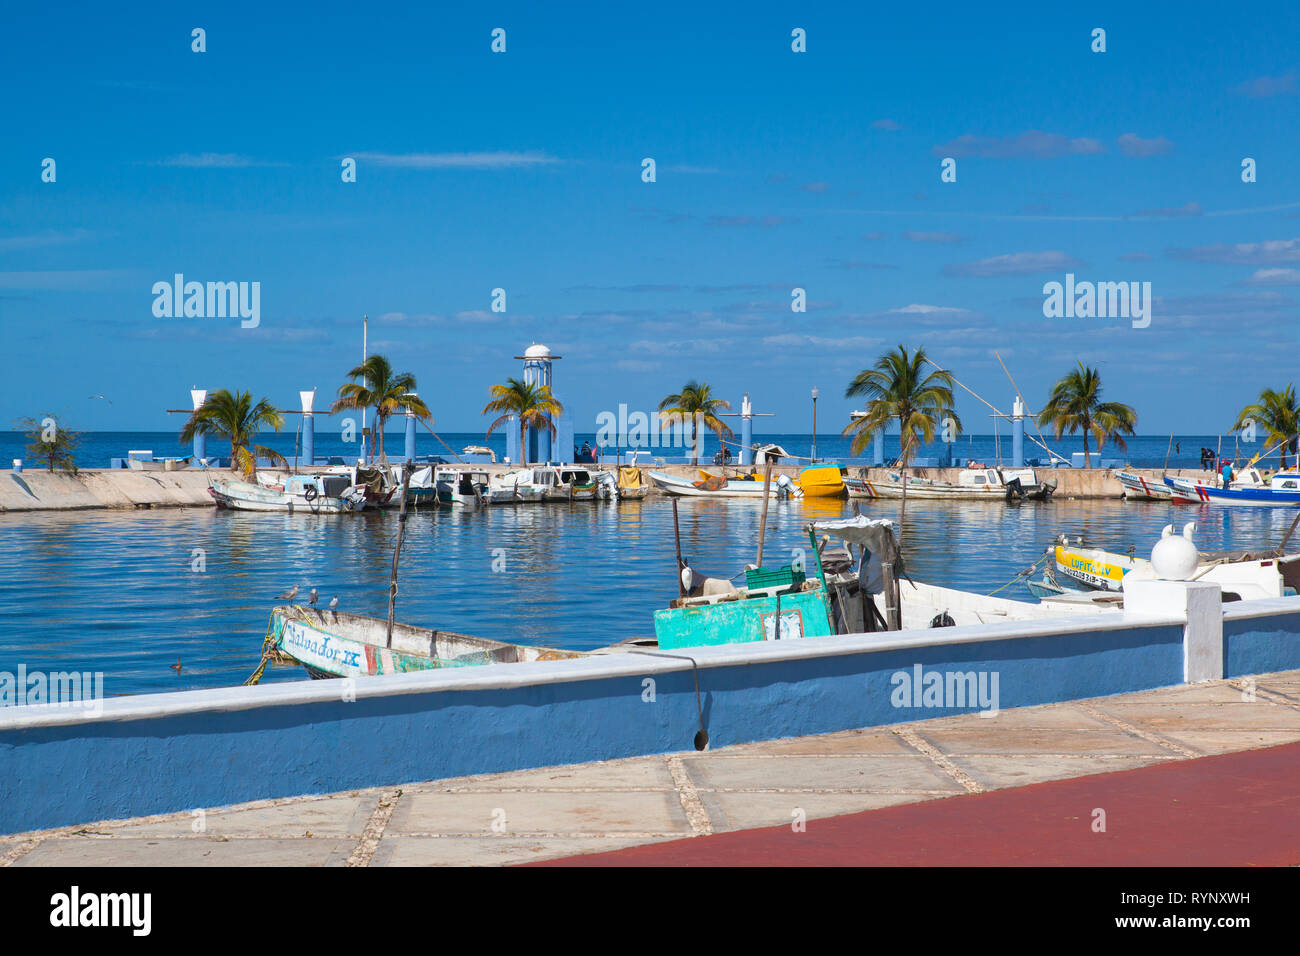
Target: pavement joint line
{"points": [[1272, 696], [1146, 735], [696, 815], [374, 832], [20, 851], [938, 759], [546, 835]]}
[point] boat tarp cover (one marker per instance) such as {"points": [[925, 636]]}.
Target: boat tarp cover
{"points": [[372, 478], [629, 477], [869, 533]]}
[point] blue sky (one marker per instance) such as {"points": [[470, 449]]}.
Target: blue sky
{"points": [[522, 171]]}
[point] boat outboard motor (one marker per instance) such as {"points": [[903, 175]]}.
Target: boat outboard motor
{"points": [[607, 479], [788, 489], [1015, 490]]}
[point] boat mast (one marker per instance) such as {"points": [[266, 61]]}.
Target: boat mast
{"points": [[365, 328]]}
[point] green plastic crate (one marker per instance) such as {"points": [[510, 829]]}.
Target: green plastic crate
{"points": [[783, 577]]}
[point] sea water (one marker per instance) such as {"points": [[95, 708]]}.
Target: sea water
{"points": [[132, 594]]}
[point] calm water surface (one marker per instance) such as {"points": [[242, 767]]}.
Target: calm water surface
{"points": [[113, 591]]}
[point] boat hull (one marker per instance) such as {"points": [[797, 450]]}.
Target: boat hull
{"points": [[670, 484], [1185, 492], [1139, 488], [331, 644], [241, 496]]}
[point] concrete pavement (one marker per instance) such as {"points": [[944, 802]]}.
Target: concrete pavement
{"points": [[564, 811]]}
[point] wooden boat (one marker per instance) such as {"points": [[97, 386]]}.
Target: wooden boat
{"points": [[980, 484], [1138, 488], [718, 486], [332, 644], [313, 494], [861, 488], [631, 483], [822, 480]]}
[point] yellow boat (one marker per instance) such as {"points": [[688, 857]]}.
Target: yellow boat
{"points": [[822, 481]]}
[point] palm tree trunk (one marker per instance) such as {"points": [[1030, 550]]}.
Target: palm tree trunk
{"points": [[379, 436], [1087, 457], [523, 441]]}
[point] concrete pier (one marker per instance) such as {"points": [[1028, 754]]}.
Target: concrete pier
{"points": [[36, 490]]}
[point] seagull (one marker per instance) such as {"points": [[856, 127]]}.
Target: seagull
{"points": [[334, 603], [312, 600], [177, 666], [288, 595]]}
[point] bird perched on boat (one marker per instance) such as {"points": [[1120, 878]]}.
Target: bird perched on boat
{"points": [[334, 603], [311, 600], [288, 595]]}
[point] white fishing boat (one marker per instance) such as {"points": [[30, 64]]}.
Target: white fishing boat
{"points": [[983, 484], [1248, 487], [718, 486], [462, 487], [1140, 488], [312, 494], [514, 487], [144, 460], [565, 483]]}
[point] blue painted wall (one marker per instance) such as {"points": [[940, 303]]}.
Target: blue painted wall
{"points": [[1261, 645], [105, 769]]}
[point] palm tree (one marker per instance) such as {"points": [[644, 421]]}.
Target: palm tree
{"points": [[1075, 405], [532, 405], [375, 385], [1279, 415], [898, 389], [695, 403], [234, 417]]}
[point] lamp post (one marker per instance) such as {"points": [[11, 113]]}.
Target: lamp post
{"points": [[815, 393]]}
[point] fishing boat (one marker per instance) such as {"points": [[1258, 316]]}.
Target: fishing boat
{"points": [[861, 488], [628, 483], [462, 487], [1139, 488], [313, 494], [333, 644], [514, 487], [718, 486], [835, 595], [1243, 575], [1249, 488], [822, 480], [565, 483], [144, 460], [982, 484]]}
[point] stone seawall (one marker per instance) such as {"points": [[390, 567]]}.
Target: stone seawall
{"points": [[118, 488]]}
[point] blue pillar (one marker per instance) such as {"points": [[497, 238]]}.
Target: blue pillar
{"points": [[410, 435], [1018, 434], [746, 431], [878, 449], [512, 440], [544, 444], [308, 439], [308, 399], [198, 396]]}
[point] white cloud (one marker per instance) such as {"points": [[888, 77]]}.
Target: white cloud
{"points": [[499, 160]]}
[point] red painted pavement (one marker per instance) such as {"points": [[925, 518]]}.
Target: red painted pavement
{"points": [[1239, 809]]}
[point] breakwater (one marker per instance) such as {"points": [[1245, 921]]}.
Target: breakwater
{"points": [[118, 488]]}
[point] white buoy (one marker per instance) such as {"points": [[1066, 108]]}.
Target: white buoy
{"points": [[1175, 557]]}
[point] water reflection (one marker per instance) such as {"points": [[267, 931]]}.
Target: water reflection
{"points": [[114, 591]]}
